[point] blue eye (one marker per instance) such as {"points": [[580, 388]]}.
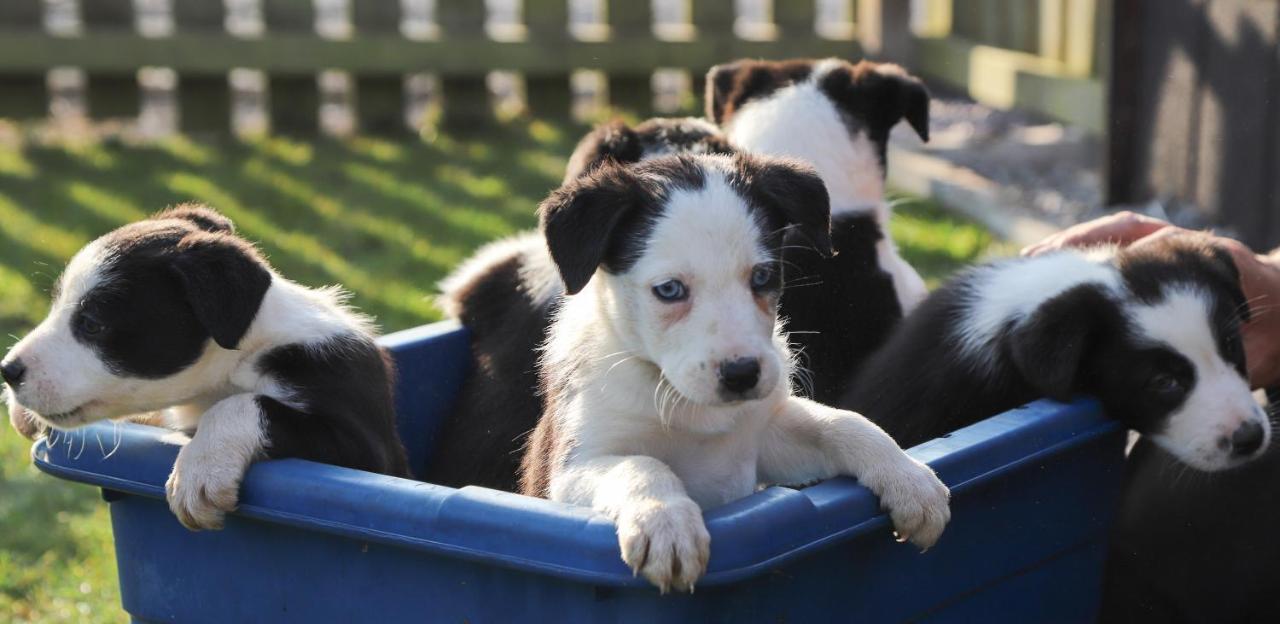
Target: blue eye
{"points": [[1165, 384], [671, 290], [761, 276], [89, 325]]}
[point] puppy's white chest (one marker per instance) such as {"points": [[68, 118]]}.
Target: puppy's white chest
{"points": [[715, 472]]}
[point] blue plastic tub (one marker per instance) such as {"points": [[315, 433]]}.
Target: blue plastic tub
{"points": [[1033, 492]]}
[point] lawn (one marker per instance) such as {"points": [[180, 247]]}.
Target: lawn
{"points": [[386, 219]]}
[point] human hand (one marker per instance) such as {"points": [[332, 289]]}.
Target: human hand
{"points": [[1259, 279]]}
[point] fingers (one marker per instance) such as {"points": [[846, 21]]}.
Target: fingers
{"points": [[1122, 228]]}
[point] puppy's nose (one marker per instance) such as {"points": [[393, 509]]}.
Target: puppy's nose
{"points": [[1247, 439], [13, 371], [740, 375]]}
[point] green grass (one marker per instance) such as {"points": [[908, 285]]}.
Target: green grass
{"points": [[387, 219]]}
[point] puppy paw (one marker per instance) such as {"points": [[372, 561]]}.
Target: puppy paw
{"points": [[917, 502], [201, 490], [666, 541]]}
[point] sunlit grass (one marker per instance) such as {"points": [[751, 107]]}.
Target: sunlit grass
{"points": [[387, 219]]}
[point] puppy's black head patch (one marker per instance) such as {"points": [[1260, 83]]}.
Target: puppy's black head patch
{"points": [[790, 196], [162, 288], [604, 217], [203, 217], [731, 85], [879, 96], [615, 141], [872, 97]]}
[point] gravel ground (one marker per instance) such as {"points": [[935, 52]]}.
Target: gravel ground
{"points": [[1050, 170]]}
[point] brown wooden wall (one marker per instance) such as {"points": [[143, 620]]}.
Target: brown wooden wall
{"points": [[1194, 109]]}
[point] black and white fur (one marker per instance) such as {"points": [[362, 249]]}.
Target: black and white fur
{"points": [[666, 374], [505, 295], [837, 116], [838, 309], [1152, 331], [177, 313]]}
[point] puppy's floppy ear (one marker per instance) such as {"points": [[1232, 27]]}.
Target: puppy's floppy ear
{"points": [[720, 81], [224, 281], [791, 192], [580, 218], [1225, 267], [881, 94], [202, 216], [613, 141], [731, 85], [1049, 347]]}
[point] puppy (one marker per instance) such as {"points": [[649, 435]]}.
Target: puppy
{"points": [[666, 375], [837, 116], [505, 295], [176, 312], [838, 309], [1152, 331]]}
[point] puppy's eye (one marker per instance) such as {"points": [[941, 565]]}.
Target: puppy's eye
{"points": [[761, 277], [89, 325], [1165, 384], [671, 290]]}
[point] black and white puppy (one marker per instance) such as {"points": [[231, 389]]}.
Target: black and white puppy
{"points": [[1152, 331], [837, 116], [838, 309], [505, 295], [177, 313], [666, 374]]}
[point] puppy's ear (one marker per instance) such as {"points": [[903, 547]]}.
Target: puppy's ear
{"points": [[731, 85], [203, 217], [881, 95], [580, 219], [224, 281], [1049, 347], [720, 81], [791, 192], [1229, 274], [614, 141]]}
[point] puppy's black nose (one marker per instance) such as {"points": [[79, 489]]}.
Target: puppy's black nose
{"points": [[740, 375], [13, 371], [1247, 439]]}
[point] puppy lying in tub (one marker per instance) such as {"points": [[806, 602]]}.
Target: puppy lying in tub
{"points": [[177, 313], [666, 376]]}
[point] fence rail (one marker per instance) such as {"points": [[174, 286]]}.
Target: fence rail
{"points": [[1043, 54], [460, 51]]}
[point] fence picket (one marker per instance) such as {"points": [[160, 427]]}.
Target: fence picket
{"points": [[25, 94], [380, 96], [548, 94], [466, 95], [111, 93], [293, 98], [631, 24]]}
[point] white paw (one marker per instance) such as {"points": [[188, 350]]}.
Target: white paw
{"points": [[917, 502], [203, 487], [667, 542]]}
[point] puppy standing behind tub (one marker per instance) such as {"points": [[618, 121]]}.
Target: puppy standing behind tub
{"points": [[666, 376], [178, 313]]}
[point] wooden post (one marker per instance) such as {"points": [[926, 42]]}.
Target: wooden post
{"points": [[380, 97], [884, 30], [111, 94], [795, 19], [204, 100], [293, 100], [1078, 32], [711, 18], [466, 96], [631, 20], [26, 96], [548, 95]]}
